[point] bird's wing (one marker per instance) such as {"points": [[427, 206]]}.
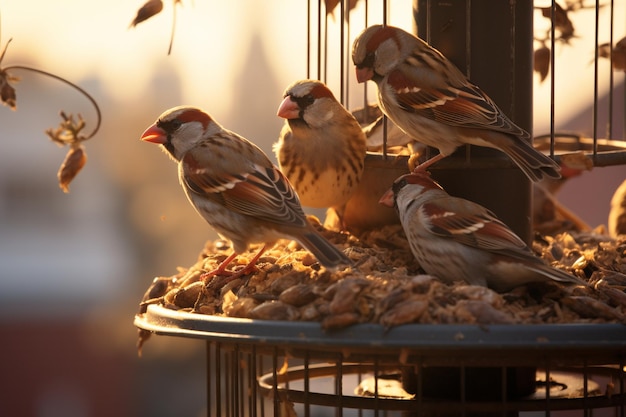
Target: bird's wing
{"points": [[469, 224], [254, 190], [459, 103]]}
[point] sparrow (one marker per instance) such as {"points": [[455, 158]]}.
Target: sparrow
{"points": [[422, 92], [457, 239], [235, 187], [321, 147]]}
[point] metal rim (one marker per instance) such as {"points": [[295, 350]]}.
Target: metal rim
{"points": [[431, 336]]}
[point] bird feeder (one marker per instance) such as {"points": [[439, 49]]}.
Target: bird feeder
{"points": [[258, 367]]}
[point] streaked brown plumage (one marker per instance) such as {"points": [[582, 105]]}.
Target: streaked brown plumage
{"points": [[321, 148], [234, 186], [421, 91], [455, 239]]}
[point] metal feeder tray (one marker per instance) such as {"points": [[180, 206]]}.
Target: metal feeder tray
{"points": [[408, 369]]}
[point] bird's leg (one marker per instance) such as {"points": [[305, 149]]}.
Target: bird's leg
{"points": [[426, 164], [228, 276], [221, 268]]}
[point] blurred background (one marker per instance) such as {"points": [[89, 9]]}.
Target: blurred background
{"points": [[73, 267]]}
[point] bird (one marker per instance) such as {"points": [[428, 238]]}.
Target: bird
{"points": [[235, 187], [321, 147], [455, 239], [427, 96]]}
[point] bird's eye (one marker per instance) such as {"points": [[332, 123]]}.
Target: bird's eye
{"points": [[398, 185], [169, 126], [368, 61], [304, 102]]}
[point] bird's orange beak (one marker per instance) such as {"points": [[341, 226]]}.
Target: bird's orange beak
{"points": [[387, 198], [364, 74], [154, 134], [288, 109]]}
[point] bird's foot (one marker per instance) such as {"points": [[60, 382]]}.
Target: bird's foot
{"points": [[219, 280], [421, 168], [220, 276]]}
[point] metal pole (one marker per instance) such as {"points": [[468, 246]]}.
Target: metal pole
{"points": [[492, 43]]}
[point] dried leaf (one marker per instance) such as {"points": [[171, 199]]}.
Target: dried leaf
{"points": [[331, 4], [149, 9], [68, 131], [7, 93], [71, 166], [561, 21], [619, 55], [604, 50], [542, 62]]}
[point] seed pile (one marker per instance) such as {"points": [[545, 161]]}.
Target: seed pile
{"points": [[387, 287]]}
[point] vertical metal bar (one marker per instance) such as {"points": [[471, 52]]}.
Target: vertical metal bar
{"points": [[552, 73], [595, 80], [468, 56], [385, 136], [259, 373], [609, 125], [463, 389], [385, 116], [376, 387], [232, 386], [325, 66], [359, 380], [586, 410], [342, 49], [385, 121], [252, 382], [622, 385], [513, 68], [218, 379], [307, 386], [339, 385], [209, 375], [429, 11], [420, 383], [547, 410], [308, 38], [468, 39], [227, 393], [504, 393], [384, 12], [345, 73], [275, 396], [319, 39], [237, 391], [365, 99]]}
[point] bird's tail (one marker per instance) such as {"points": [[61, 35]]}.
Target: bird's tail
{"points": [[558, 275], [534, 163], [326, 253]]}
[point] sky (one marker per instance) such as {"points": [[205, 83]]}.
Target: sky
{"points": [[81, 39]]}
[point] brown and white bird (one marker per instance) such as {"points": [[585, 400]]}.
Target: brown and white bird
{"points": [[456, 239], [321, 148], [421, 91], [234, 186]]}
